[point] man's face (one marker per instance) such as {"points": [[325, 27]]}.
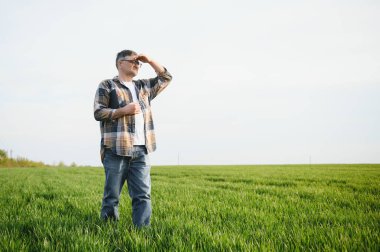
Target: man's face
{"points": [[129, 66]]}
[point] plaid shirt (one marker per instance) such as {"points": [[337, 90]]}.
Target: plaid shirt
{"points": [[118, 134]]}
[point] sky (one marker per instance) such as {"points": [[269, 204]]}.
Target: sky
{"points": [[254, 82]]}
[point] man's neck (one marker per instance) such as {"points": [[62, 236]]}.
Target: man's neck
{"points": [[125, 78]]}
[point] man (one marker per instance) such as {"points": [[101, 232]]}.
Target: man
{"points": [[122, 105]]}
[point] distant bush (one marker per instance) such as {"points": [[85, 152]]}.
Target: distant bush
{"points": [[61, 164], [3, 155], [5, 161]]}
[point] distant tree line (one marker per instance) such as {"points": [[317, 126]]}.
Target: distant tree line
{"points": [[6, 161]]}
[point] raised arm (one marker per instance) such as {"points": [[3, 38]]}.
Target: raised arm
{"points": [[159, 83], [154, 64]]}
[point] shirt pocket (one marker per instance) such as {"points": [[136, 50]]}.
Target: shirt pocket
{"points": [[113, 100], [122, 97]]}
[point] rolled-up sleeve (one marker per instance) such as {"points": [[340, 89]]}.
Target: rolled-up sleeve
{"points": [[101, 110]]}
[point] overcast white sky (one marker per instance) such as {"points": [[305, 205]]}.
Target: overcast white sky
{"points": [[255, 82]]}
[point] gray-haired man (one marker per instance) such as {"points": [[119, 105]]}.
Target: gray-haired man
{"points": [[122, 105]]}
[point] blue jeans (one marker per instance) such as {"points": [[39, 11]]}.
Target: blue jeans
{"points": [[136, 171]]}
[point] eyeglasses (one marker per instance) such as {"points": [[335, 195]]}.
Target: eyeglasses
{"points": [[135, 62]]}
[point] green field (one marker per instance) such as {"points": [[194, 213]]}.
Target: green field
{"points": [[206, 208]]}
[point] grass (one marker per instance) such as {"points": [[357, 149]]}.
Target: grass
{"points": [[206, 208]]}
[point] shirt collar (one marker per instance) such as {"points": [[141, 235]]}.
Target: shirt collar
{"points": [[116, 78]]}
